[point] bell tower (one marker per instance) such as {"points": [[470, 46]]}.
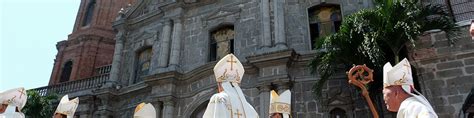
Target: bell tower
{"points": [[89, 49]]}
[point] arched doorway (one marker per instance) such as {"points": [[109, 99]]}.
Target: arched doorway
{"points": [[199, 111], [337, 113]]}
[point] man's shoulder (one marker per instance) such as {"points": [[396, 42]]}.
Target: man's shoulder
{"points": [[415, 107], [219, 97]]}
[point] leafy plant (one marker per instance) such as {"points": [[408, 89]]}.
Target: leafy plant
{"points": [[376, 36], [38, 106]]}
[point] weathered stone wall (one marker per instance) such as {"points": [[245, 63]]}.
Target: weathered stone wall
{"points": [[274, 61], [445, 71], [267, 65]]}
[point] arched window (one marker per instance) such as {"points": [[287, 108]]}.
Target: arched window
{"points": [[324, 19], [221, 42], [337, 113], [66, 72], [143, 64], [89, 13]]}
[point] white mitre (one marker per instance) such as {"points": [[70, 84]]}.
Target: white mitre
{"points": [[281, 103], [471, 31], [145, 110], [229, 69], [15, 97], [399, 74], [230, 102], [67, 107], [16, 100]]}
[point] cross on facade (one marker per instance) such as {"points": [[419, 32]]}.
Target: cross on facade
{"points": [[231, 61], [238, 114]]}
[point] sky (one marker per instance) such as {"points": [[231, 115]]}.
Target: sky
{"points": [[29, 31]]}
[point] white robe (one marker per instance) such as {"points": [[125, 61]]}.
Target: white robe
{"points": [[229, 103], [415, 108], [10, 113]]}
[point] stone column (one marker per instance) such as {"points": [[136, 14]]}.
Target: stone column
{"points": [[165, 45], [266, 33], [278, 12], [176, 43], [158, 109], [168, 108], [117, 59], [264, 100]]}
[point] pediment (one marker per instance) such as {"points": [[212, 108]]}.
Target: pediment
{"points": [[338, 101], [145, 35], [143, 7], [222, 12]]}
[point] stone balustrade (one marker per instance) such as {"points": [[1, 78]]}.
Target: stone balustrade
{"points": [[77, 85]]}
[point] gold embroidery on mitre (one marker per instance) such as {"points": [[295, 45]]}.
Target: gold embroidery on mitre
{"points": [[62, 113], [237, 78], [222, 77], [401, 81], [139, 107], [280, 108]]}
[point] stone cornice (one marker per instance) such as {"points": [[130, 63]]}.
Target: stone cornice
{"points": [[272, 58], [163, 78]]}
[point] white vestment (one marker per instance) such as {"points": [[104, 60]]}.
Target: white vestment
{"points": [[231, 102], [11, 113], [415, 108], [228, 104]]}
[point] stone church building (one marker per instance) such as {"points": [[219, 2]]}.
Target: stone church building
{"points": [[124, 52]]}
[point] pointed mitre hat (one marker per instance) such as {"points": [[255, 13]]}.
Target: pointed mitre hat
{"points": [[229, 69], [280, 103], [67, 107], [472, 29], [144, 110], [399, 74], [16, 97]]}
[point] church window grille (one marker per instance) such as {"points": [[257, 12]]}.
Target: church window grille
{"points": [[324, 20], [222, 43], [143, 64]]}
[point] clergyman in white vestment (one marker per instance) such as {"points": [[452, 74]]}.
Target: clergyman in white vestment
{"points": [[398, 96], [15, 100], [280, 105], [230, 102], [66, 108]]}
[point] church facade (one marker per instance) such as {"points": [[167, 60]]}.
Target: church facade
{"points": [[164, 52], [168, 49]]}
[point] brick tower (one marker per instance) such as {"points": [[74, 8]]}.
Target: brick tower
{"points": [[89, 48]]}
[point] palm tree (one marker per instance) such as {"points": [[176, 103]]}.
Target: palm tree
{"points": [[38, 106], [376, 36]]}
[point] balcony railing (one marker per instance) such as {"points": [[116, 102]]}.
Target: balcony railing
{"points": [[77, 85], [103, 69]]}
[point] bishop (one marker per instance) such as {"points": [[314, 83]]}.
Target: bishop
{"points": [[398, 93], [66, 108], [230, 102], [13, 101]]}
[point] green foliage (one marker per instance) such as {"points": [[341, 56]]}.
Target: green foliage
{"points": [[38, 106], [376, 36]]}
